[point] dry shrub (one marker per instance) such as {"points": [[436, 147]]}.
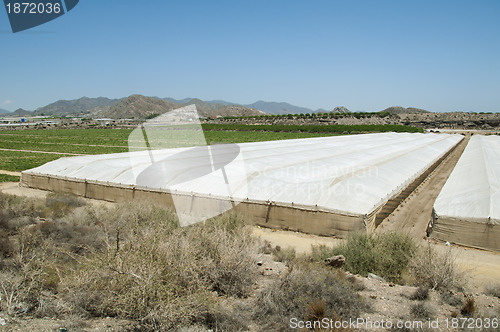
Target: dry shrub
{"points": [[163, 276], [265, 248], [356, 283], [455, 300], [316, 310], [469, 306], [21, 279], [71, 237], [5, 245], [286, 255], [16, 212], [420, 294], [130, 261], [306, 291], [436, 270], [421, 310], [61, 204]]}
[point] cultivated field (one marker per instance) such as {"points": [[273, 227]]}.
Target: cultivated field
{"points": [[25, 149], [69, 264]]}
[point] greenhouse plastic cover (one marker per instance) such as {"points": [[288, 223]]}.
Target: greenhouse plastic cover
{"points": [[472, 191], [353, 174]]}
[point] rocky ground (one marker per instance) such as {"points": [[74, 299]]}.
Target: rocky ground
{"points": [[390, 304], [455, 120]]}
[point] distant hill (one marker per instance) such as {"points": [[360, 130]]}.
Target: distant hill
{"points": [[208, 107], [3, 112], [402, 110], [340, 109], [278, 108], [217, 107], [135, 107], [203, 108], [237, 110], [21, 112], [320, 110], [78, 106], [140, 107]]}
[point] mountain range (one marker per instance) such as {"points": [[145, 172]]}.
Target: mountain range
{"points": [[141, 107], [137, 106], [270, 107], [78, 106]]}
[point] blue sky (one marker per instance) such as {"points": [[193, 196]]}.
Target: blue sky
{"points": [[366, 55]]}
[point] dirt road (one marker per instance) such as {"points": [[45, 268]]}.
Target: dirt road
{"points": [[13, 188], [10, 173], [414, 213], [47, 152]]}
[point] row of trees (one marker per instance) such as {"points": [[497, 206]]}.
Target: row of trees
{"points": [[357, 115]]}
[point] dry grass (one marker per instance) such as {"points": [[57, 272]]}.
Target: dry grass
{"points": [[285, 255], [469, 307], [436, 270], [420, 294], [308, 291], [132, 261], [421, 311]]}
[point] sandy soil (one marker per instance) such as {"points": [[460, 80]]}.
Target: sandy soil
{"points": [[13, 188], [287, 239]]}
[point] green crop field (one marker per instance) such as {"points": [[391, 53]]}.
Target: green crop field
{"points": [[8, 178], [25, 149]]}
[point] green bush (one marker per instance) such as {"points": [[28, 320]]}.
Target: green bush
{"points": [[385, 254]]}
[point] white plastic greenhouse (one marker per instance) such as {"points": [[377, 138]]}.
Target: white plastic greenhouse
{"points": [[326, 185], [467, 211]]}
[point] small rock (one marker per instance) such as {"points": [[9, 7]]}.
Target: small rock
{"points": [[259, 263], [335, 261]]}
